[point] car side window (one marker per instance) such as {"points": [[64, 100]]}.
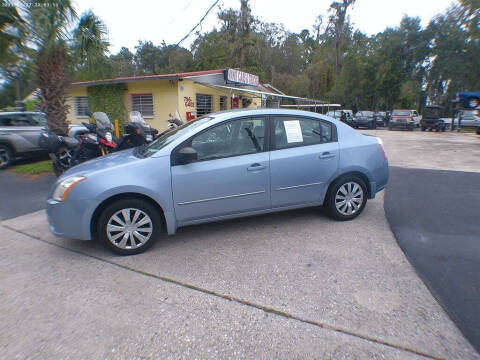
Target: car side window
{"points": [[232, 138], [5, 121], [20, 120], [298, 131]]}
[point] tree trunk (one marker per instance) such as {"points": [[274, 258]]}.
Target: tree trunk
{"points": [[53, 82]]}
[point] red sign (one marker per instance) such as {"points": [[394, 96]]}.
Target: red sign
{"points": [[240, 77]]}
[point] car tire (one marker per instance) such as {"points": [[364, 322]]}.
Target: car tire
{"points": [[374, 124], [116, 231], [6, 156], [410, 127], [390, 127], [423, 128], [57, 169], [350, 187], [478, 131]]}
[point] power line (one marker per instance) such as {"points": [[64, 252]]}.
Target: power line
{"points": [[203, 18]]}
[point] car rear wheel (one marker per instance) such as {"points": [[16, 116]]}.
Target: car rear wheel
{"points": [[129, 226], [346, 198], [6, 156]]}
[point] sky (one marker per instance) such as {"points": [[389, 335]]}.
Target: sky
{"points": [[158, 20]]}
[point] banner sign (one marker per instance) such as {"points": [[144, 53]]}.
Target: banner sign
{"points": [[240, 77]]}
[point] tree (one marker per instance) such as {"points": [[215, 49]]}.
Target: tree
{"points": [[339, 26], [47, 41]]}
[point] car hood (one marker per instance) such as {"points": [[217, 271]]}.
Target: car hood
{"points": [[104, 163]]}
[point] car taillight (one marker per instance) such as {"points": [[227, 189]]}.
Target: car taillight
{"points": [[382, 149]]}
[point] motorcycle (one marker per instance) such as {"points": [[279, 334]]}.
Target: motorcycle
{"points": [[67, 152], [98, 140], [136, 133], [173, 124]]}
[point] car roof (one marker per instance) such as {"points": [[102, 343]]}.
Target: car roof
{"points": [[226, 115], [20, 113]]}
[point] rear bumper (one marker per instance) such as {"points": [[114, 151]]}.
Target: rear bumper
{"points": [[380, 177], [71, 219]]}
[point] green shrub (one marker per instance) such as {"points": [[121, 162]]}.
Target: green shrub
{"points": [[108, 99]]}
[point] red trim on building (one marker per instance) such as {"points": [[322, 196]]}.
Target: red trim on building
{"points": [[150, 77]]}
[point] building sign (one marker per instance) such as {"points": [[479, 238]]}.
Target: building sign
{"points": [[240, 77]]}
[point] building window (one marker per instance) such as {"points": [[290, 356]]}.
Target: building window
{"points": [[81, 106], [143, 103], [223, 103], [204, 104]]}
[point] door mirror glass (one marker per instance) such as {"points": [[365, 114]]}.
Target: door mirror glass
{"points": [[186, 155]]}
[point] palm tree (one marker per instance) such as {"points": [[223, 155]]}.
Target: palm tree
{"points": [[47, 27], [11, 36]]}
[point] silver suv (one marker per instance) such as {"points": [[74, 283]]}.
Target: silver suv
{"points": [[19, 132]]}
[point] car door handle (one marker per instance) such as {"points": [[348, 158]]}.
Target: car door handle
{"points": [[256, 167], [326, 155]]}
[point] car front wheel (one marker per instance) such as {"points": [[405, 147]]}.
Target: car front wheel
{"points": [[6, 156], [129, 226], [346, 198]]}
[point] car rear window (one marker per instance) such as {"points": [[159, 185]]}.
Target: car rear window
{"points": [[401, 113]]}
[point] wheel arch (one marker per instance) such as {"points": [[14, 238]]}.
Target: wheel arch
{"points": [[8, 144], [358, 173], [128, 195]]}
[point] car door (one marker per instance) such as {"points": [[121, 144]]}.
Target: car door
{"points": [[28, 133], [304, 157], [230, 176]]}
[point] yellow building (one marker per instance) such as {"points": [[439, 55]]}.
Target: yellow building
{"points": [[188, 95]]}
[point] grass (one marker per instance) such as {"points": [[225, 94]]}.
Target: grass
{"points": [[36, 168]]}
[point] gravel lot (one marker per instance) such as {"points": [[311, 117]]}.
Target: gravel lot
{"points": [[292, 285]]}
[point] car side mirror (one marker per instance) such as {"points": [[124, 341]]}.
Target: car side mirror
{"points": [[186, 155]]}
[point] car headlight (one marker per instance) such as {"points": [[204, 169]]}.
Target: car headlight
{"points": [[108, 137], [65, 186]]}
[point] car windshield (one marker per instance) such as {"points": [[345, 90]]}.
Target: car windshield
{"points": [[365, 113], [136, 117], [432, 111], [102, 120], [170, 136], [401, 113]]}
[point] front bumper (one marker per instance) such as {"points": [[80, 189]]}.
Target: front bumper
{"points": [[402, 124], [71, 219]]}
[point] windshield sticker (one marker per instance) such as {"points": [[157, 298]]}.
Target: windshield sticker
{"points": [[293, 130]]}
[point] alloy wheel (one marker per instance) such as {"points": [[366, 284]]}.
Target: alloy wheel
{"points": [[129, 228], [349, 198]]}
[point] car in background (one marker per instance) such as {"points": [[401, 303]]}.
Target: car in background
{"points": [[220, 166], [469, 118], [381, 118], [431, 118], [468, 100], [402, 118], [365, 119], [342, 115], [19, 134]]}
